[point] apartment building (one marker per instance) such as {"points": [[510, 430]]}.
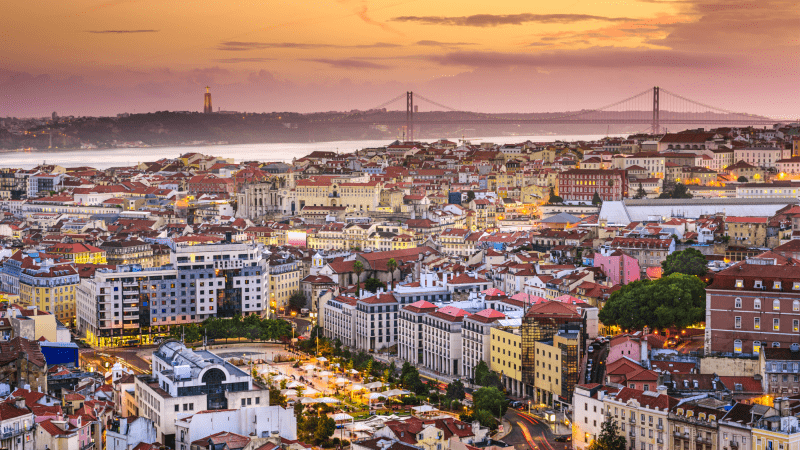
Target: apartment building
{"points": [[653, 163], [649, 252], [589, 413], [557, 368], [505, 355], [131, 251], [476, 339], [376, 322], [441, 349], [643, 417], [50, 288], [694, 426], [223, 279], [285, 272], [184, 382], [751, 305], [762, 156], [780, 370], [119, 306], [338, 320], [746, 231], [410, 333], [581, 184], [262, 421]]}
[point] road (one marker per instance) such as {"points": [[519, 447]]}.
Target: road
{"points": [[530, 432], [103, 359]]}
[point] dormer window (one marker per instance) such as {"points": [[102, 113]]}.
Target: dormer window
{"points": [[701, 416], [712, 417], [776, 285], [689, 413], [758, 284], [739, 283], [796, 286]]}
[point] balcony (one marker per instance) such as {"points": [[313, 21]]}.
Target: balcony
{"points": [[9, 433], [632, 420], [734, 444], [632, 433], [677, 434], [659, 427], [659, 440]]}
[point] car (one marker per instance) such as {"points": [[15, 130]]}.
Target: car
{"points": [[516, 404], [591, 349], [564, 438], [590, 361]]}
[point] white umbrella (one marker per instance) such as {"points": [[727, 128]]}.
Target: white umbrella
{"points": [[294, 384], [375, 395], [353, 371], [280, 378], [289, 392], [396, 392], [341, 380], [356, 387], [328, 400], [325, 373], [305, 400], [322, 359], [342, 416], [309, 367]]}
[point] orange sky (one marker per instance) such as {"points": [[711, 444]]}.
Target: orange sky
{"points": [[103, 57]]}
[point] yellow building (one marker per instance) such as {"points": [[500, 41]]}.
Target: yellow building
{"points": [[79, 253], [556, 368], [51, 289], [777, 432], [285, 274], [324, 192], [746, 231], [506, 357]]}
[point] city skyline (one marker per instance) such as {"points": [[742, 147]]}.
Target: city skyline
{"points": [[108, 57]]}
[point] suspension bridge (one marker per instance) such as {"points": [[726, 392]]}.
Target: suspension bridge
{"points": [[654, 108]]}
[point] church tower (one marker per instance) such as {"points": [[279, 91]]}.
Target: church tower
{"points": [[207, 102]]}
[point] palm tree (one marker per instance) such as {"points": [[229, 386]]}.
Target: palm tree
{"points": [[358, 268], [391, 264]]}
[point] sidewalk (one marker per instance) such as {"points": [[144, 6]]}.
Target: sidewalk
{"points": [[506, 430]]}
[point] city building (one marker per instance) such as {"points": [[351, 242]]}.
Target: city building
{"points": [[50, 288], [441, 347], [410, 333], [506, 355], [376, 322], [476, 339], [780, 370], [581, 184], [184, 382]]}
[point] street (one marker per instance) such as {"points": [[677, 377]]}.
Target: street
{"points": [[531, 432]]}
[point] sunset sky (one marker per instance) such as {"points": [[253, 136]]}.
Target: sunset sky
{"points": [[95, 57]]}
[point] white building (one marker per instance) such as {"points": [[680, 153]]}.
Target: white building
{"points": [[409, 331], [588, 413], [184, 382], [475, 336], [338, 319], [125, 433], [260, 422], [441, 347], [376, 322], [18, 427]]}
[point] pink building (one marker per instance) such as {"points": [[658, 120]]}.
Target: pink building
{"points": [[620, 268], [627, 346]]}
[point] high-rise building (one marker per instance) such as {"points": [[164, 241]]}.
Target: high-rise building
{"points": [[207, 102]]}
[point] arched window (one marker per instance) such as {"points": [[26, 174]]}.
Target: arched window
{"points": [[796, 305], [756, 347], [757, 303], [737, 346], [214, 376], [738, 302], [776, 305]]}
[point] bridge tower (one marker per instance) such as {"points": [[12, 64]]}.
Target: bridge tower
{"points": [[656, 112], [409, 116]]}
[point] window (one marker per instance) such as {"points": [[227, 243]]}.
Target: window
{"points": [[776, 305], [757, 303], [738, 303], [756, 346], [796, 305], [738, 322], [737, 346], [739, 283], [757, 323], [776, 324]]}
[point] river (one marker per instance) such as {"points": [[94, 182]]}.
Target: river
{"points": [[118, 157]]}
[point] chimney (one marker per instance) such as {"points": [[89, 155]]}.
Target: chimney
{"points": [[19, 402], [661, 389]]}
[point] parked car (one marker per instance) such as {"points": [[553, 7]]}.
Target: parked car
{"points": [[591, 349], [564, 438]]}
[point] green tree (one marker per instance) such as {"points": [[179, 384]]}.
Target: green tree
{"points": [[485, 418], [455, 390], [297, 301], [553, 197], [742, 179], [358, 269], [275, 397], [391, 266], [610, 437], [490, 399], [687, 262], [677, 300], [373, 284], [325, 428], [481, 372], [596, 200], [470, 196], [640, 193], [493, 379], [679, 191]]}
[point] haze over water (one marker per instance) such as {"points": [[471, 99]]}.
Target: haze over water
{"points": [[105, 158]]}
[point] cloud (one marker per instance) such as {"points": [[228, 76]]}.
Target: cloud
{"points": [[236, 46], [348, 63], [429, 43], [242, 60], [595, 57], [121, 31], [362, 14], [493, 20]]}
